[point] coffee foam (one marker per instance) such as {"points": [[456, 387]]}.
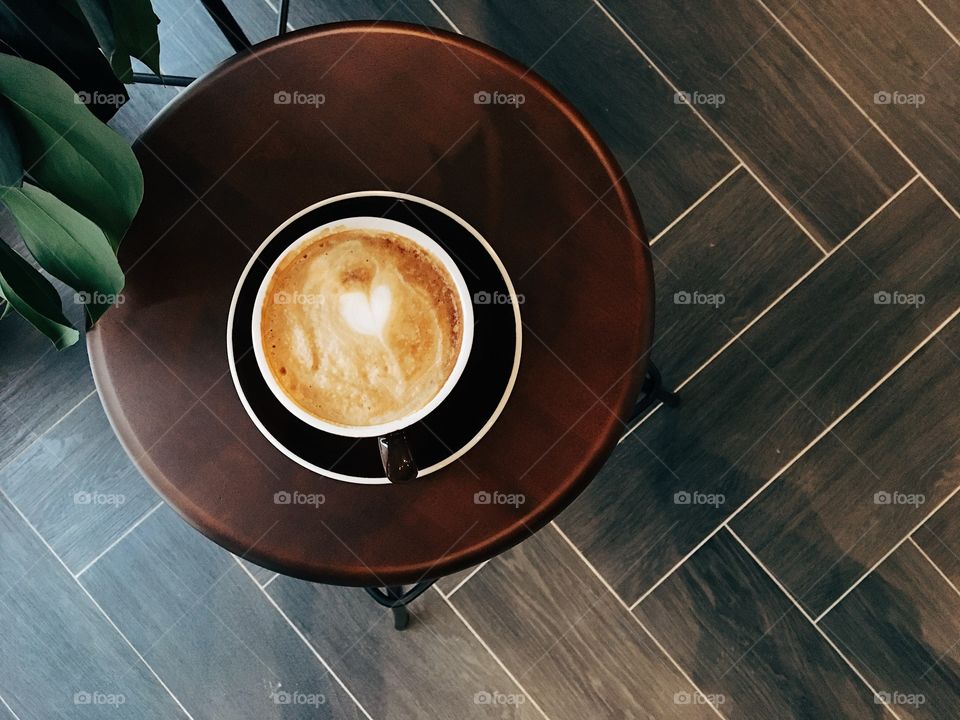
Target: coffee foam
{"points": [[361, 327]]}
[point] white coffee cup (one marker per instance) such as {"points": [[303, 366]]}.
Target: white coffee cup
{"points": [[415, 236]]}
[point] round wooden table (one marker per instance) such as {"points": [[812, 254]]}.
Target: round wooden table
{"points": [[361, 106]]}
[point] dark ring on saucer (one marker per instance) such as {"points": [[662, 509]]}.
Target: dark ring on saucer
{"points": [[463, 415]]}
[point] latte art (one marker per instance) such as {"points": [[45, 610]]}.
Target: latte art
{"points": [[361, 327]]}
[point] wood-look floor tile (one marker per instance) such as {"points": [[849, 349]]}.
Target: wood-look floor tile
{"points": [[60, 657], [208, 630], [259, 19], [718, 268], [947, 12], [190, 43], [675, 479], [568, 641], [900, 627], [670, 158], [449, 583], [144, 103], [77, 486], [861, 489], [901, 68], [782, 115], [38, 384], [939, 537], [743, 641], [260, 574], [435, 668]]}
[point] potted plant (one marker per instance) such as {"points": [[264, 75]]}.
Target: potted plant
{"points": [[71, 184]]}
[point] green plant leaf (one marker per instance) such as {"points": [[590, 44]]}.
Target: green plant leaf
{"points": [[31, 294], [135, 25], [125, 28], [11, 163], [67, 245], [68, 151]]}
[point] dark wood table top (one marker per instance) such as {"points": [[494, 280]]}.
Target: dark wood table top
{"points": [[225, 164]]}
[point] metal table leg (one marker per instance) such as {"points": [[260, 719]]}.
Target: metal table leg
{"points": [[653, 391], [397, 600]]}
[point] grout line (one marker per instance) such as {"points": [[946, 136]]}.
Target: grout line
{"points": [[863, 112], [699, 200], [889, 552], [303, 637], [589, 564], [656, 642], [460, 584], [97, 605], [903, 361], [116, 542], [446, 17], [269, 4], [267, 583], [492, 654], [876, 696], [37, 437], [723, 141], [935, 566], [9, 709], [939, 22], [778, 299]]}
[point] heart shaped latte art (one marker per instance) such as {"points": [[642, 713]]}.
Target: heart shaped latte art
{"points": [[373, 333], [367, 313]]}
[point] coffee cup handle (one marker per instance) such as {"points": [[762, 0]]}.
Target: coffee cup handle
{"points": [[398, 462]]}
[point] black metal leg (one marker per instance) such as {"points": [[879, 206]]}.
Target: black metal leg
{"points": [[284, 12], [401, 616], [397, 600], [228, 24], [653, 391]]}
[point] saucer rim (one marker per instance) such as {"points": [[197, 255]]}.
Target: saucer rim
{"points": [[484, 429]]}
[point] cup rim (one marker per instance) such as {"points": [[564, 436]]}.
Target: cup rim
{"points": [[418, 237]]}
